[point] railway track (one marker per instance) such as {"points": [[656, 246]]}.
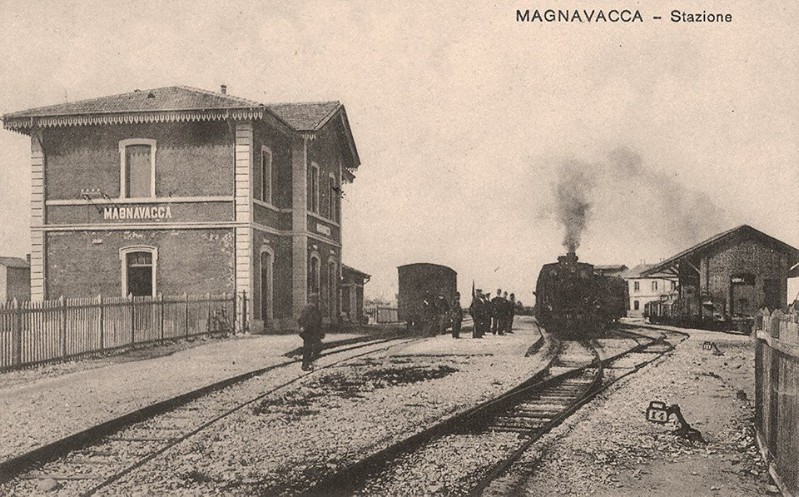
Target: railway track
{"points": [[491, 437], [86, 462]]}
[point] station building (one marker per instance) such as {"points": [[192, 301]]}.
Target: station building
{"points": [[180, 190], [744, 268]]}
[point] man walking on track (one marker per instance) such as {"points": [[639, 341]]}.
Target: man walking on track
{"points": [[310, 322]]}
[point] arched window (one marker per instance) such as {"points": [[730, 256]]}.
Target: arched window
{"points": [[332, 213], [314, 188], [636, 305], [266, 283], [313, 273], [137, 168], [332, 288], [266, 174], [138, 269]]}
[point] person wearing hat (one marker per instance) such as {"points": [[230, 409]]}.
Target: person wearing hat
{"points": [[442, 314], [498, 313], [310, 322], [477, 310], [456, 315], [511, 312]]}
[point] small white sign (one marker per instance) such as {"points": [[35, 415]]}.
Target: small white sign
{"points": [[321, 228]]}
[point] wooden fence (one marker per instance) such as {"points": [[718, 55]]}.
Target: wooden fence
{"points": [[38, 332], [777, 395], [380, 314]]}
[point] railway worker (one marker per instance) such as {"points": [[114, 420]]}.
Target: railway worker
{"points": [[511, 312], [497, 313], [456, 315], [476, 309], [310, 322], [442, 314], [428, 313], [485, 322]]}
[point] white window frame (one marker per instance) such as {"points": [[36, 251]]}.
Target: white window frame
{"points": [[123, 260], [123, 165], [266, 172], [315, 188]]}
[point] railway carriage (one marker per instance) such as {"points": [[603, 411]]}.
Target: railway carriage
{"points": [[417, 280]]}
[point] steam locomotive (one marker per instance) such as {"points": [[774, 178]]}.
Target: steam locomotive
{"points": [[574, 302]]}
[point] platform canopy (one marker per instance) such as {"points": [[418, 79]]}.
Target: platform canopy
{"points": [[693, 255]]}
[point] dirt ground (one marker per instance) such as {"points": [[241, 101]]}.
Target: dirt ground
{"points": [[608, 448]]}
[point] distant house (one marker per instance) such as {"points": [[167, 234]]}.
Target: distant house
{"points": [[610, 269], [643, 289], [15, 279]]}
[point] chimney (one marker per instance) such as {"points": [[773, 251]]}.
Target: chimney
{"points": [[223, 89]]}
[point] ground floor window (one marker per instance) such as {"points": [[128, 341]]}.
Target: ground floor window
{"points": [[138, 271], [636, 305], [332, 280], [313, 274]]}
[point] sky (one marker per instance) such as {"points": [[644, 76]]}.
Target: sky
{"points": [[466, 121]]}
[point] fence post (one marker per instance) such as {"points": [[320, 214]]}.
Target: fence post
{"points": [[244, 311], [233, 321], [101, 313], [62, 328], [132, 319], [186, 300], [161, 316], [208, 321], [17, 334]]}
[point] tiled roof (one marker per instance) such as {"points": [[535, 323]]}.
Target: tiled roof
{"points": [[309, 116], [346, 268], [183, 104], [15, 262], [635, 271], [170, 98], [744, 230]]}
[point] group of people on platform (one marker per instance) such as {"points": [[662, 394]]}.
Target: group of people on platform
{"points": [[492, 315]]}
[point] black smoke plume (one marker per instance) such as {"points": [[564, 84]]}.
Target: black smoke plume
{"points": [[573, 201]]}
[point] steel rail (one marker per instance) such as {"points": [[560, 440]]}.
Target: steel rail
{"points": [[347, 480], [15, 466]]}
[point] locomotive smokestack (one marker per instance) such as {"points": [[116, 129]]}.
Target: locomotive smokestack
{"points": [[570, 257]]}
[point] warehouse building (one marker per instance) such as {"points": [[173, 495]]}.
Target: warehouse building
{"points": [[743, 268], [180, 190]]}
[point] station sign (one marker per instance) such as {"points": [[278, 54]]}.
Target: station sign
{"points": [[137, 212]]}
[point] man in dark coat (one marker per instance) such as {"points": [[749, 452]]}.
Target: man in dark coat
{"points": [[310, 322], [428, 314], [442, 314], [497, 313], [476, 309], [456, 315], [511, 312]]}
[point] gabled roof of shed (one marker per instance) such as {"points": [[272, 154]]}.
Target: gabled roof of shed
{"points": [[744, 230]]}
